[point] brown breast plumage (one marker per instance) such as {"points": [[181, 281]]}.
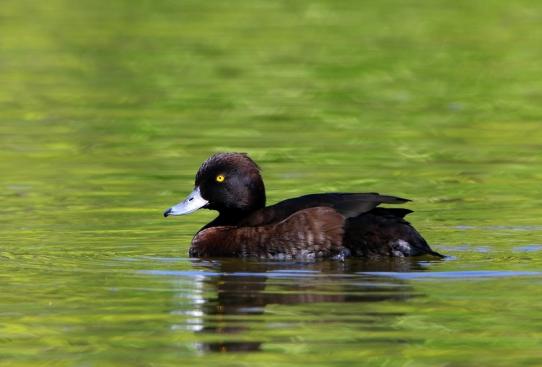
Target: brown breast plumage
{"points": [[307, 234]]}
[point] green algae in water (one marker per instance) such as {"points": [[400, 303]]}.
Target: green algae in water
{"points": [[107, 110]]}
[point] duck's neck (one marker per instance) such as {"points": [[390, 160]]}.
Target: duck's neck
{"points": [[229, 218]]}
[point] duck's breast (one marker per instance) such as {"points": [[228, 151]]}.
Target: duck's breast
{"points": [[306, 234]]}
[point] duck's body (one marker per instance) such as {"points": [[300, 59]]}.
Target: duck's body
{"points": [[333, 225]]}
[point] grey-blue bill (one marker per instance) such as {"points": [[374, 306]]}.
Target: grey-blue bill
{"points": [[193, 202]]}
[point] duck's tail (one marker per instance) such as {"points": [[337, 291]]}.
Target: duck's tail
{"points": [[385, 232]]}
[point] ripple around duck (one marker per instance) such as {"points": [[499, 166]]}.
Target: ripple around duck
{"points": [[472, 274], [498, 228], [528, 248], [271, 274]]}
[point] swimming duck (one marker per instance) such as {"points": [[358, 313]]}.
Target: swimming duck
{"points": [[328, 225]]}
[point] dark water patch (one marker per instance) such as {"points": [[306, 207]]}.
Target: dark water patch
{"points": [[247, 297]]}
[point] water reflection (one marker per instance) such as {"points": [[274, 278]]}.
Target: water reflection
{"points": [[238, 290]]}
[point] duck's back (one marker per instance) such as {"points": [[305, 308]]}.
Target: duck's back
{"points": [[349, 205]]}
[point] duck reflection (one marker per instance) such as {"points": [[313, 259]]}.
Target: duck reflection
{"points": [[241, 289]]}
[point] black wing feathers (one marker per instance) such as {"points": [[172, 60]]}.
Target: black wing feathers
{"points": [[347, 204]]}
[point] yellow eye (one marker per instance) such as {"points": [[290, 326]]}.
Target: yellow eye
{"points": [[220, 178]]}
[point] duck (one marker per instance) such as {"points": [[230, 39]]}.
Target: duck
{"points": [[313, 226]]}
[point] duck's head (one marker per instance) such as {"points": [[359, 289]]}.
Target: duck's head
{"points": [[227, 182]]}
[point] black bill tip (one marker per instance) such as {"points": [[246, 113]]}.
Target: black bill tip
{"points": [[167, 212]]}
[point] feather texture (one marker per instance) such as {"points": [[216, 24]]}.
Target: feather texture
{"points": [[309, 233]]}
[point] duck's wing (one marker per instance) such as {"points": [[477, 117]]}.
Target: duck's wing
{"points": [[348, 205], [306, 234]]}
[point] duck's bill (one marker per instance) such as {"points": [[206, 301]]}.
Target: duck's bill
{"points": [[193, 202]]}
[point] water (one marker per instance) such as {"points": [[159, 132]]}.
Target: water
{"points": [[108, 109]]}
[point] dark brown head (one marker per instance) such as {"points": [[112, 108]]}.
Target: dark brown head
{"points": [[227, 182]]}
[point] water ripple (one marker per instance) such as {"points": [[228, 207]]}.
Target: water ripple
{"points": [[473, 274]]}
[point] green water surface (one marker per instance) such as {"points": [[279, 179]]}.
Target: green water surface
{"points": [[107, 109]]}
